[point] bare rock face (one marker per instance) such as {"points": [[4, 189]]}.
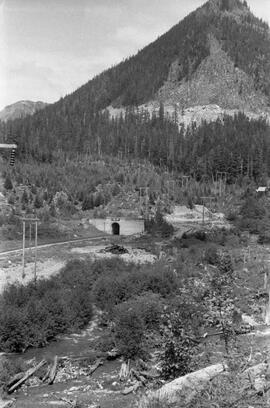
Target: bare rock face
{"points": [[217, 81]]}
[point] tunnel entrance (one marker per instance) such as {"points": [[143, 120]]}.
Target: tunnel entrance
{"points": [[115, 228]]}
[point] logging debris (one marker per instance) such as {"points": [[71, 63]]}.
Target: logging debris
{"points": [[27, 375], [53, 370]]}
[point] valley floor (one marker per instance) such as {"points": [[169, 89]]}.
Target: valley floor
{"points": [[103, 387]]}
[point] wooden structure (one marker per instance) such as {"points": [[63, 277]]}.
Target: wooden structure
{"points": [[12, 147], [221, 179], [29, 220], [204, 200], [8, 146]]}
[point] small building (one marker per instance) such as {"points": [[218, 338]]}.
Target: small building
{"points": [[261, 190], [119, 225]]}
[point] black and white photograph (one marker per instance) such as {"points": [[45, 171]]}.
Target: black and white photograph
{"points": [[134, 204]]}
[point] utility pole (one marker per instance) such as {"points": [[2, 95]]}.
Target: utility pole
{"points": [[30, 221], [221, 177], [144, 192], [185, 181], [23, 275], [170, 189], [204, 199]]}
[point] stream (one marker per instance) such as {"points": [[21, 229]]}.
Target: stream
{"points": [[102, 387]]}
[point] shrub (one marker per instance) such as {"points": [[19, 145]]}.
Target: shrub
{"points": [[46, 230], [88, 203], [148, 308], [231, 216], [114, 287], [8, 183], [106, 342], [252, 208], [264, 238], [211, 255], [12, 199], [159, 226], [32, 315], [129, 331], [38, 203], [180, 345], [24, 197]]}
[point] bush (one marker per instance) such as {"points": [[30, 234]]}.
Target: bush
{"points": [[159, 226], [114, 287], [32, 315], [211, 255], [231, 216], [180, 345], [46, 230], [38, 203], [106, 342], [252, 208], [88, 203], [264, 238], [129, 331], [8, 183], [148, 308]]}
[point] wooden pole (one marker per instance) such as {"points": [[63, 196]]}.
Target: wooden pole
{"points": [[35, 273], [203, 214], [30, 240], [23, 254]]}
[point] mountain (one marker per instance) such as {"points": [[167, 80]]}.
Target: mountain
{"points": [[20, 109], [213, 63], [219, 54]]}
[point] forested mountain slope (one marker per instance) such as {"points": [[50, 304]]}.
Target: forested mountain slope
{"points": [[219, 55]]}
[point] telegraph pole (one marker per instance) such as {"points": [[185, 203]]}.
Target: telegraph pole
{"points": [[23, 253], [204, 199], [171, 189], [144, 192], [30, 221], [185, 181], [221, 177]]}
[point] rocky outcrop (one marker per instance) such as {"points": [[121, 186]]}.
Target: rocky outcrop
{"points": [[217, 81]]}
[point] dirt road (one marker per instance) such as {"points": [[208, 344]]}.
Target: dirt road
{"points": [[77, 240]]}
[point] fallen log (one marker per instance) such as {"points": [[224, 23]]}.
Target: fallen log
{"points": [[53, 370], [133, 388], [255, 376], [93, 368], [15, 379], [138, 376], [27, 375], [46, 376], [188, 386]]}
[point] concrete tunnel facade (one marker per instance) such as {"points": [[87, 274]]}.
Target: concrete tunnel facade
{"points": [[119, 225]]}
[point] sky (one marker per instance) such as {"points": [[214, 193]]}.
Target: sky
{"points": [[48, 48]]}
